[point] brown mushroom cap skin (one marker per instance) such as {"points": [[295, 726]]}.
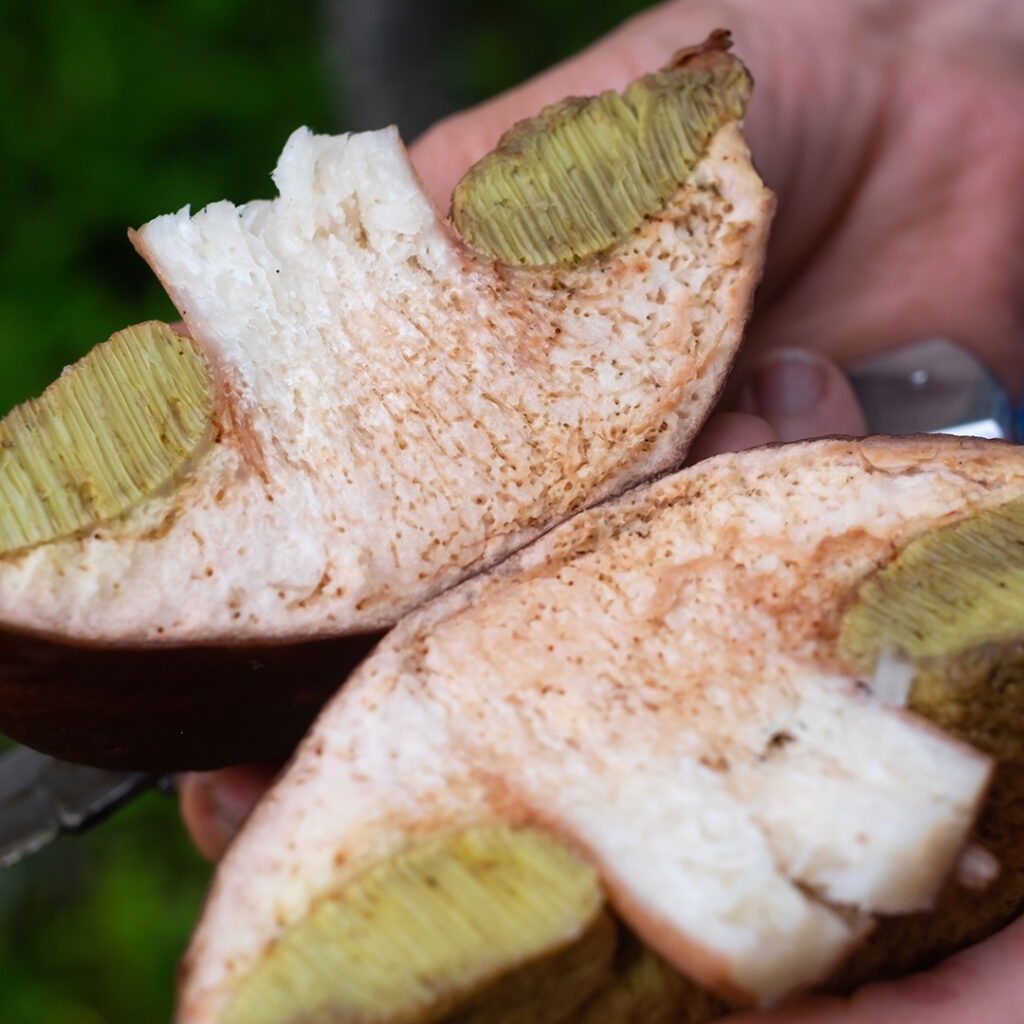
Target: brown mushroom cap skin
{"points": [[168, 709]]}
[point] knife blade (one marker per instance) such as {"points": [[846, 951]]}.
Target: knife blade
{"points": [[933, 386], [42, 798]]}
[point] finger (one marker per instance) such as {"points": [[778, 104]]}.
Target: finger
{"points": [[801, 395], [731, 432], [995, 25], [214, 805], [984, 983]]}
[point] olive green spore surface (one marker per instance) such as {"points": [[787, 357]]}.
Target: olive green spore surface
{"points": [[423, 933], [118, 426], [585, 172], [951, 604], [948, 592]]}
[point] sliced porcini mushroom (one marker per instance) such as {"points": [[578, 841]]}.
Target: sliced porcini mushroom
{"points": [[948, 612], [388, 404], [951, 608], [656, 683], [432, 927], [485, 925]]}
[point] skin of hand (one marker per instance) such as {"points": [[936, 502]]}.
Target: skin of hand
{"points": [[891, 132]]}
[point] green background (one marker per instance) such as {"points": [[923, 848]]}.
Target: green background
{"points": [[110, 114]]}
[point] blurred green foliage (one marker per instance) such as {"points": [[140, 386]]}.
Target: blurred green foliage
{"points": [[91, 928], [110, 114], [494, 46]]}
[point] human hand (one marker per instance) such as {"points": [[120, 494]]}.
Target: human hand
{"points": [[891, 132]]}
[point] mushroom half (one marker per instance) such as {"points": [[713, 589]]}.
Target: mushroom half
{"points": [[373, 404], [682, 694]]}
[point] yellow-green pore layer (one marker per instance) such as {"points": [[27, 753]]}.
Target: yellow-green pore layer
{"points": [[120, 425], [585, 172], [490, 925], [951, 604]]}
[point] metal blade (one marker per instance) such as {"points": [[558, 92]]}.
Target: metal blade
{"points": [[932, 386], [42, 798]]}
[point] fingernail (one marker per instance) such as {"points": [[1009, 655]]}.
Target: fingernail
{"points": [[230, 807], [787, 383], [233, 792]]}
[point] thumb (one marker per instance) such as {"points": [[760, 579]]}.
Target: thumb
{"points": [[214, 805], [800, 394]]}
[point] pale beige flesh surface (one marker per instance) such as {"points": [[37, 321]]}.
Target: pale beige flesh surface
{"points": [[655, 682], [393, 411]]}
